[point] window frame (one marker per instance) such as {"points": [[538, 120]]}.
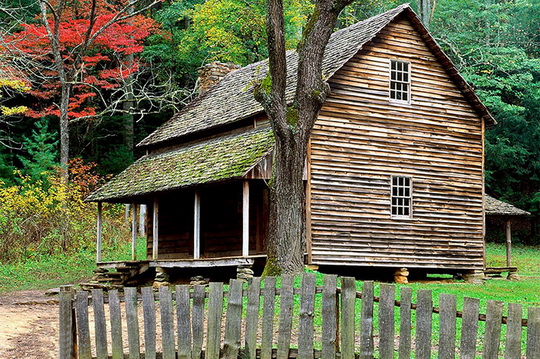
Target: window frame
{"points": [[390, 81], [409, 198]]}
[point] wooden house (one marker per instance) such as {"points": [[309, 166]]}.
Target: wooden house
{"points": [[395, 169]]}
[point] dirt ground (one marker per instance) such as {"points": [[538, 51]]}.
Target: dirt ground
{"points": [[28, 325]]}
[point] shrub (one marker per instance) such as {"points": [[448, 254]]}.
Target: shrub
{"points": [[38, 218]]}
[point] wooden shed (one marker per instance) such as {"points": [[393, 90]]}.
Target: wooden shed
{"points": [[394, 176]]}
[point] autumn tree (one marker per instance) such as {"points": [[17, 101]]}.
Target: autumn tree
{"points": [[80, 48], [292, 125]]}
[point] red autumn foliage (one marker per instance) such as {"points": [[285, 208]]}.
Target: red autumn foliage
{"points": [[102, 66]]}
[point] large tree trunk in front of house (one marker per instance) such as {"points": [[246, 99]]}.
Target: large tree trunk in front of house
{"points": [[287, 215], [292, 125]]}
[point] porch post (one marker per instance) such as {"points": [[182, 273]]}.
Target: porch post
{"points": [[134, 231], [508, 243], [197, 226], [245, 219], [99, 230], [155, 229]]}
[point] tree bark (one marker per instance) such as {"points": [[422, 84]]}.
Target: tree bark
{"points": [[292, 125]]}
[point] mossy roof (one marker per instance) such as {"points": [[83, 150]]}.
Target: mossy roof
{"points": [[209, 161], [232, 99], [495, 207]]}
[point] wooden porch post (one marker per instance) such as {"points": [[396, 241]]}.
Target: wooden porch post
{"points": [[245, 219], [99, 231], [134, 231], [155, 229], [197, 226], [508, 243]]}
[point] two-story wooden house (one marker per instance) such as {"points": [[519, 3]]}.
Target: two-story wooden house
{"points": [[395, 170]]}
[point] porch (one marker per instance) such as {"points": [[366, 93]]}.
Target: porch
{"points": [[215, 225]]}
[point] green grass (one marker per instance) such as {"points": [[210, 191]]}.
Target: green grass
{"points": [[48, 271]]}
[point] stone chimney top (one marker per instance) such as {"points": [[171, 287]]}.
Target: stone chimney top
{"points": [[212, 73]]}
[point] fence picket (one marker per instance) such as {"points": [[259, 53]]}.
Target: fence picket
{"points": [[149, 315], [533, 333], [424, 310], [233, 325], [130, 295], [83, 328], [307, 307], [386, 321], [197, 320], [348, 297], [65, 340], [285, 316], [447, 326], [184, 322], [215, 311], [100, 324], [252, 318], [513, 331], [405, 299], [167, 325], [366, 322], [116, 325], [269, 293], [469, 327], [492, 338], [329, 317]]}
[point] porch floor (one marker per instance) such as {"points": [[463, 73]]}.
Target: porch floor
{"points": [[186, 263]]}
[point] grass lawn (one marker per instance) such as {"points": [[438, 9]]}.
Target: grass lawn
{"points": [[49, 271]]}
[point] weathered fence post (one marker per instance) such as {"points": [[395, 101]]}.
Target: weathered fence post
{"points": [[329, 317], [405, 298], [285, 316], [492, 338], [348, 297], [424, 312], [269, 294], [252, 318], [233, 324], [67, 326], [533, 333], [386, 321], [366, 321]]}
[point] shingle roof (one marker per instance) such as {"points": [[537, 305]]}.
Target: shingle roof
{"points": [[232, 99], [494, 207], [203, 162]]}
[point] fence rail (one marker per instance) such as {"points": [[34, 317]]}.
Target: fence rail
{"points": [[254, 321]]}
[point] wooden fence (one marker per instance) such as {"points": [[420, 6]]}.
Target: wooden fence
{"points": [[308, 322]]}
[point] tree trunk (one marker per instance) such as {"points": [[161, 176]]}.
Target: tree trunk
{"points": [[64, 131], [292, 125], [286, 228]]}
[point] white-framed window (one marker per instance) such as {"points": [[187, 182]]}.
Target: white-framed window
{"points": [[400, 81], [401, 196]]}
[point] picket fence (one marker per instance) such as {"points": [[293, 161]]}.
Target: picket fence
{"points": [[266, 323]]}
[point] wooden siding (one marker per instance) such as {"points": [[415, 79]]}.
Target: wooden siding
{"points": [[361, 139]]}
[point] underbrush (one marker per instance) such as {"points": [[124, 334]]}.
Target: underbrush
{"points": [[48, 232]]}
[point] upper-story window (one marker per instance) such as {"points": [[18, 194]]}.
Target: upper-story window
{"points": [[401, 196], [400, 81]]}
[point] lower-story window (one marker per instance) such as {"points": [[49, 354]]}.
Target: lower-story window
{"points": [[401, 196]]}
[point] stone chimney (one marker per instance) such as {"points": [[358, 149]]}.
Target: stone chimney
{"points": [[212, 73]]}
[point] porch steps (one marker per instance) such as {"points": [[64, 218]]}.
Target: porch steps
{"points": [[116, 274]]}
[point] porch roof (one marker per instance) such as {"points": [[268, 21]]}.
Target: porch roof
{"points": [[495, 207], [209, 161]]}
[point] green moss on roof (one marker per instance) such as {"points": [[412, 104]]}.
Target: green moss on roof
{"points": [[204, 162]]}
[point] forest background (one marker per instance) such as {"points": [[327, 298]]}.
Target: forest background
{"points": [[145, 68]]}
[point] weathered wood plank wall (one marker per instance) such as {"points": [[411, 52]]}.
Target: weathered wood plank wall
{"points": [[361, 139]]}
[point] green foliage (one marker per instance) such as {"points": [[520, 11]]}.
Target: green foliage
{"points": [[496, 49], [41, 148], [47, 218]]}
